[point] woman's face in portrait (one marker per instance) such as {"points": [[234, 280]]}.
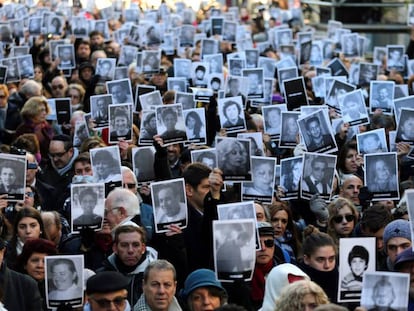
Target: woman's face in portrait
{"points": [[279, 222], [263, 176], [8, 177], [190, 122], [28, 228], [274, 118], [169, 121], [291, 125], [88, 203], [382, 171], [232, 112], [358, 266], [121, 123], [237, 156], [63, 278], [102, 168]]}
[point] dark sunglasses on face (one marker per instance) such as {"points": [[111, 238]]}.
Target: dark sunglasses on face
{"points": [[106, 303], [130, 186], [269, 243], [338, 219]]}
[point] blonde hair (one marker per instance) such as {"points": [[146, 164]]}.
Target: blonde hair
{"points": [[292, 296], [334, 207], [33, 106]]}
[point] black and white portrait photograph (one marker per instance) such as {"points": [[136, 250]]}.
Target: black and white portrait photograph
{"points": [[350, 45], [289, 133], [367, 72], [148, 128], [337, 67], [64, 280], [26, 68], [252, 57], [151, 100], [168, 44], [106, 164], [143, 164], [305, 49], [177, 84], [215, 82], [131, 15], [373, 141], [234, 249], [410, 15], [105, 68], [231, 114], [269, 67], [170, 123], [233, 158], [209, 46], [134, 35], [271, 120], [291, 173], [151, 61], [229, 31], [127, 55], [382, 96], [400, 104], [101, 25], [13, 73], [195, 120], [35, 25], [317, 133], [199, 74], [236, 86], [352, 106], [153, 35], [81, 132], [395, 57], [381, 177], [121, 73], [17, 27], [215, 62], [121, 91], [318, 86], [239, 210], [142, 89], [13, 176], [18, 51], [379, 55], [66, 54], [87, 203], [185, 99], [316, 54], [256, 142], [55, 25], [182, 68], [336, 89], [263, 180], [236, 65], [295, 93], [385, 291], [255, 82], [207, 157], [216, 25], [356, 257], [3, 74], [169, 204], [318, 175], [53, 47], [405, 130], [186, 35], [283, 37], [120, 123], [80, 26], [99, 109]]}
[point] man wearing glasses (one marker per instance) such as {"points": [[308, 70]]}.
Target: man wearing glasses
{"points": [[107, 291]]}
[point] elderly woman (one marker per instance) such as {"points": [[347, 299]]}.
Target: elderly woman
{"points": [[202, 291], [34, 114], [301, 296]]}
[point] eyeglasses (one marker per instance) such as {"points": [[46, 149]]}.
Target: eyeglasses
{"points": [[57, 154], [30, 194], [338, 219], [130, 186], [106, 303], [59, 86], [269, 243]]}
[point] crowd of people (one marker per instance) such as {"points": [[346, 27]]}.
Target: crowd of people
{"points": [[242, 198]]}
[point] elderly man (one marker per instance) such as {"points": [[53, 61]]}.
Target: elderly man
{"points": [[59, 87], [27, 89], [159, 286], [121, 205], [130, 257], [107, 291]]}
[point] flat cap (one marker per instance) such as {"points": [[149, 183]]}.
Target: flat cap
{"points": [[106, 282]]}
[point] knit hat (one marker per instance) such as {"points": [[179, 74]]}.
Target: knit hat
{"points": [[399, 228], [200, 278], [405, 256]]}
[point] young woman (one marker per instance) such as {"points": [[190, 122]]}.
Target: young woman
{"points": [[342, 218]]}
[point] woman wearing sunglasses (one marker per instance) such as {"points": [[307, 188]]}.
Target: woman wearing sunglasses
{"points": [[342, 218], [319, 260]]}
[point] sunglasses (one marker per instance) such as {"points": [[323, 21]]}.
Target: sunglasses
{"points": [[269, 243], [57, 154], [30, 194], [31, 165], [130, 186], [59, 86], [348, 218], [106, 303]]}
